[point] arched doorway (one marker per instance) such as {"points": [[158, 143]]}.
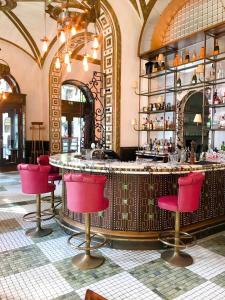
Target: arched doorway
{"points": [[12, 123], [77, 106]]}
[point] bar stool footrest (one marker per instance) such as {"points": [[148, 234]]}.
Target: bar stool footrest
{"points": [[185, 239], [31, 217], [99, 245]]}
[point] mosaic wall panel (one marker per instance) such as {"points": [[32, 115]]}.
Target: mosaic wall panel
{"points": [[195, 15], [110, 58], [133, 202]]}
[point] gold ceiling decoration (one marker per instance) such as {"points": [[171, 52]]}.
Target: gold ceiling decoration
{"points": [[73, 16], [7, 5], [77, 12]]}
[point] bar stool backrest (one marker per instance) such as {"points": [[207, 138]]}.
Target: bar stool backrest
{"points": [[85, 193], [34, 178], [189, 193], [43, 160]]}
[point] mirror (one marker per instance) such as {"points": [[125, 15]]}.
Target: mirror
{"points": [[194, 122]]}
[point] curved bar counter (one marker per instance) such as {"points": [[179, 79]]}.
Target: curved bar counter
{"points": [[133, 219]]}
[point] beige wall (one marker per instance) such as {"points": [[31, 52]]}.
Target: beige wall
{"points": [[34, 81]]}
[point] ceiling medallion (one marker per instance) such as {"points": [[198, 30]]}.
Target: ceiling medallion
{"points": [[7, 5]]}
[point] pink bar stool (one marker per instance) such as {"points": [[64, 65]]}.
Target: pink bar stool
{"points": [[34, 180], [43, 160], [85, 194], [187, 200]]}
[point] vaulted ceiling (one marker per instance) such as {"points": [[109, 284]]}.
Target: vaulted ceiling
{"points": [[24, 25]]}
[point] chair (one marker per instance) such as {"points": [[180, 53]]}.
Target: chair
{"points": [[90, 295], [187, 200], [85, 194], [43, 160], [34, 180]]}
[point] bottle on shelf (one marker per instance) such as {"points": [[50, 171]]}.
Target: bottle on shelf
{"points": [[209, 122], [216, 98], [176, 60], [178, 82], [223, 146], [194, 56], [202, 53], [223, 98], [187, 57], [222, 122], [194, 79], [216, 50], [212, 72]]}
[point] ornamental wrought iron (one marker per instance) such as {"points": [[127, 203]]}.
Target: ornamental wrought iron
{"points": [[97, 88]]}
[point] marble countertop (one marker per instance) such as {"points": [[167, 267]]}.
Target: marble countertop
{"points": [[69, 161]]}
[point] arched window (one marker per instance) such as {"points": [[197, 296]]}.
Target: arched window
{"points": [[71, 92], [4, 86]]}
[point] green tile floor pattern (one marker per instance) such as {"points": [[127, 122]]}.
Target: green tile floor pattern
{"points": [[166, 281]]}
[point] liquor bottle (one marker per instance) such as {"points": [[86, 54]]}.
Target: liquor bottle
{"points": [[194, 78], [202, 53], [178, 82], [208, 124], [150, 145], [167, 123], [216, 98], [216, 50], [162, 123], [212, 72], [151, 125], [176, 60], [187, 57], [194, 56], [222, 122], [223, 146]]}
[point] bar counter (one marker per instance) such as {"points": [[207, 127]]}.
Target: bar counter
{"points": [[133, 219]]}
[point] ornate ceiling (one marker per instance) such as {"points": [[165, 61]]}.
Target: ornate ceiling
{"points": [[24, 25]]}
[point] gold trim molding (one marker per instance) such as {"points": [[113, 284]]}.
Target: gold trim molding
{"points": [[111, 66]]}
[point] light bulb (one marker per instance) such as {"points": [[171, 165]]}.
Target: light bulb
{"points": [[73, 30], [44, 44], [85, 63], [95, 54], [57, 63], [95, 43], [67, 58], [62, 36], [69, 68]]}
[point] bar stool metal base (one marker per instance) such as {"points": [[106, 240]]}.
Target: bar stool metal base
{"points": [[178, 259], [84, 261], [38, 232]]}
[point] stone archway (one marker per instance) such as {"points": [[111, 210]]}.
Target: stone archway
{"points": [[111, 66]]}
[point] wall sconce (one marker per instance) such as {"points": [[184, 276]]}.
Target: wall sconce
{"points": [[198, 119]]}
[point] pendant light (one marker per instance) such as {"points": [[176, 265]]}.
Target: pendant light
{"points": [[62, 36]]}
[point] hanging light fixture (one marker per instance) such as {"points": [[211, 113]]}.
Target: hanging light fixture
{"points": [[72, 18], [45, 39], [85, 63]]}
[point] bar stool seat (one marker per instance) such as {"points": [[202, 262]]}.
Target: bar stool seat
{"points": [[34, 180], [187, 200], [85, 194], [43, 160], [169, 202]]}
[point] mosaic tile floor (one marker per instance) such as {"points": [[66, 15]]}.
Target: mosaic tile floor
{"points": [[42, 269]]}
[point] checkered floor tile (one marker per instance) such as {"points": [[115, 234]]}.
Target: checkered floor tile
{"points": [[121, 286], [41, 268], [39, 283]]}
